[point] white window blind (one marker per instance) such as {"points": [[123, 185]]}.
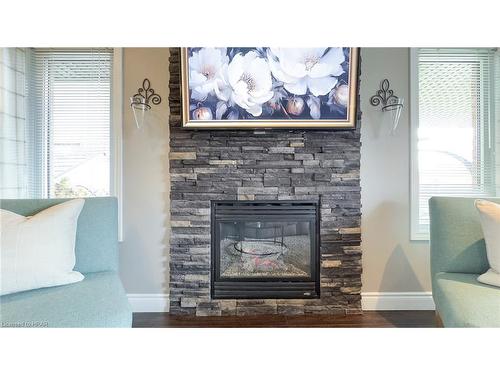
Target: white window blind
{"points": [[456, 109], [69, 94], [13, 158]]}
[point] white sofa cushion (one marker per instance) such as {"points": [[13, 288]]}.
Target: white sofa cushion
{"points": [[489, 213], [39, 251]]}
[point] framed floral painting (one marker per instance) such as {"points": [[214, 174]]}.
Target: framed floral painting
{"points": [[267, 87]]}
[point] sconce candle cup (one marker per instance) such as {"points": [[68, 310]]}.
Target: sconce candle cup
{"points": [[142, 100], [389, 102]]}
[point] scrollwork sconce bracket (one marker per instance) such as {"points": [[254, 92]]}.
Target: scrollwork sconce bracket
{"points": [[385, 97], [145, 95]]}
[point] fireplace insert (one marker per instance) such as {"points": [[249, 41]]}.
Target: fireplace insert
{"points": [[265, 249]]}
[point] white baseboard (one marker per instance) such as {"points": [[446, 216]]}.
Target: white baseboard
{"points": [[369, 301], [397, 301], [149, 302]]}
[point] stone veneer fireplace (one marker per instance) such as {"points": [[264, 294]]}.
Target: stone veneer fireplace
{"points": [[211, 166]]}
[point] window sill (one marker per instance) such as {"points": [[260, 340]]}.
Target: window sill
{"points": [[420, 237]]}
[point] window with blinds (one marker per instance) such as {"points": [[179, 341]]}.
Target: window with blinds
{"points": [[69, 101], [456, 108]]}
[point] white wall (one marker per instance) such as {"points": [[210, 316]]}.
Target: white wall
{"points": [[391, 262], [144, 250]]}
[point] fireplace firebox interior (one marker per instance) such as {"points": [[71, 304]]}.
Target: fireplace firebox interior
{"points": [[265, 249]]}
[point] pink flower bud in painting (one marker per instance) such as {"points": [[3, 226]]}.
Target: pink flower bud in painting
{"points": [[341, 95], [295, 106], [203, 114]]}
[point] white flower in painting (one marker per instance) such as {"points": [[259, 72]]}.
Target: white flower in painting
{"points": [[314, 107], [303, 69], [205, 72], [251, 82]]}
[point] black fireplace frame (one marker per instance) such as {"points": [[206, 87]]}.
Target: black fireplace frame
{"points": [[251, 288]]}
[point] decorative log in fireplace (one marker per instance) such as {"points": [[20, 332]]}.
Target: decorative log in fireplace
{"points": [[265, 249]]}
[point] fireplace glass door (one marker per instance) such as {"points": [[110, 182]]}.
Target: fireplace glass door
{"points": [[264, 249]]}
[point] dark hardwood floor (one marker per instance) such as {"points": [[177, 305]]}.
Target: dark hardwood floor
{"points": [[375, 319]]}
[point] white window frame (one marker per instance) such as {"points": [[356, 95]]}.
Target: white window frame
{"points": [[415, 233], [116, 142]]}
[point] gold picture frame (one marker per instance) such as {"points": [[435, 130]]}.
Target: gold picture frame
{"points": [[349, 122]]}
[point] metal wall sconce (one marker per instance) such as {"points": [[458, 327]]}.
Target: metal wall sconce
{"points": [[389, 103], [142, 101]]}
